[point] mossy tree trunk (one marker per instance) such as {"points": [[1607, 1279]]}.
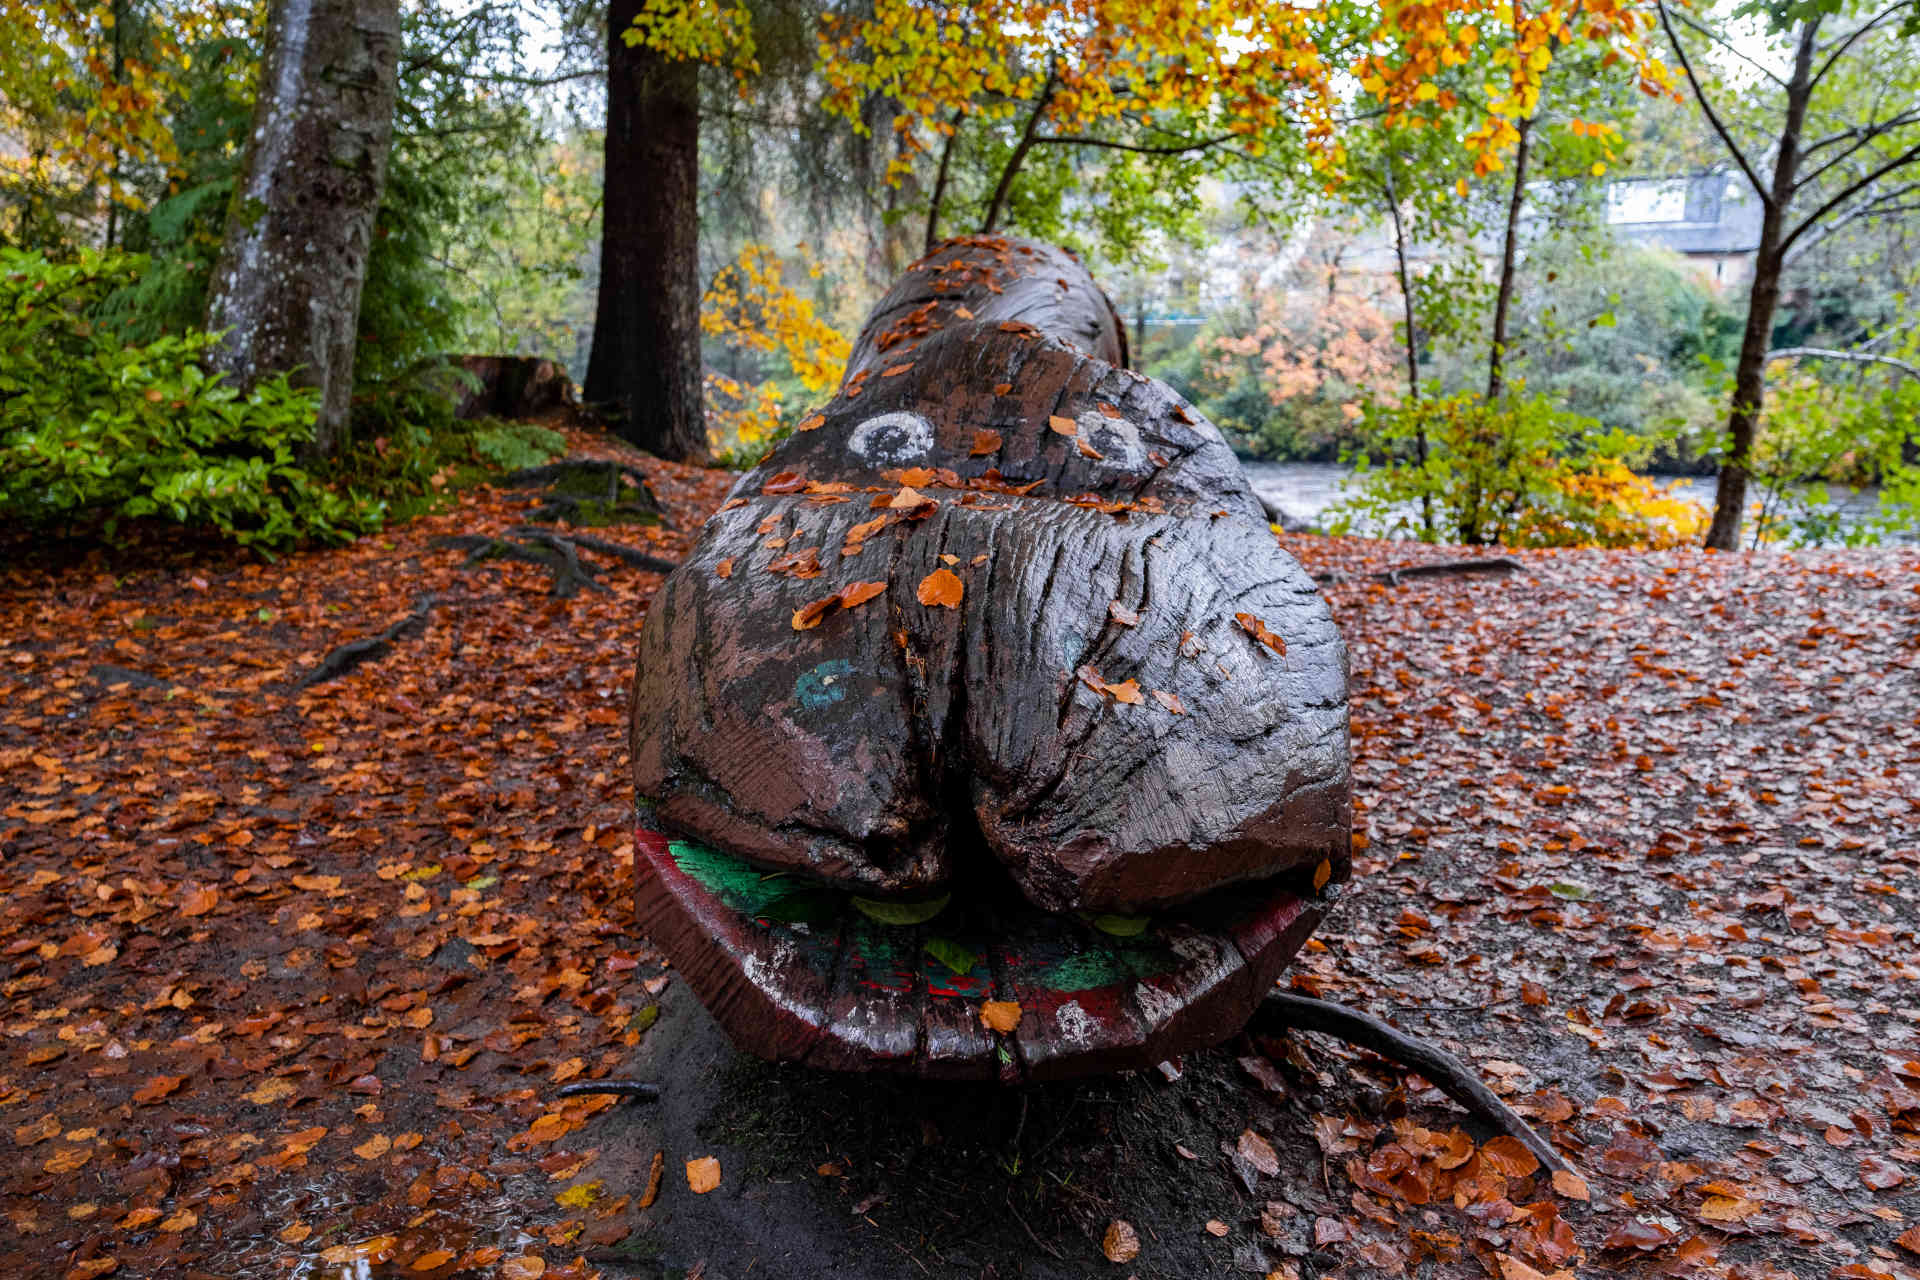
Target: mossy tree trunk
{"points": [[286, 291]]}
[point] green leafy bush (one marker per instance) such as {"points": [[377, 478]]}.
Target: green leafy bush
{"points": [[98, 429], [1517, 472]]}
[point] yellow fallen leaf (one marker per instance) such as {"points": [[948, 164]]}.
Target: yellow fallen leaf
{"points": [[581, 1196], [183, 1220], [271, 1090], [375, 1147]]}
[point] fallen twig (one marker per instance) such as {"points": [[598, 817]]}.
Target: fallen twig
{"points": [[1283, 1011], [344, 658]]}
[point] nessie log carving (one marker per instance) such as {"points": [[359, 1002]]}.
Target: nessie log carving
{"points": [[989, 688]]}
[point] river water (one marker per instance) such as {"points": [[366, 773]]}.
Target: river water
{"points": [[1306, 490]]}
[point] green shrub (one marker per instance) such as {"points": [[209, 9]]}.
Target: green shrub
{"points": [[511, 446], [1518, 472], [96, 429]]}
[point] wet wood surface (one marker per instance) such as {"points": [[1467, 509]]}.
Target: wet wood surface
{"points": [[1003, 621]]}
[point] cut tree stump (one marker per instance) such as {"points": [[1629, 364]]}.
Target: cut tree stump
{"points": [[986, 732]]}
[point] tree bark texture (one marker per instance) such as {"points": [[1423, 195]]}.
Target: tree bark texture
{"points": [[286, 291], [1002, 623], [645, 369]]}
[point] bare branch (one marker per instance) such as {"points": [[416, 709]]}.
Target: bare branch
{"points": [[1879, 207], [1858, 357], [1907, 157], [1076, 140], [1847, 40], [1733, 49], [1713, 117]]}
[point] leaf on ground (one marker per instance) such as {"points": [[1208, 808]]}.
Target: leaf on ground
{"points": [[703, 1175], [1121, 1243]]}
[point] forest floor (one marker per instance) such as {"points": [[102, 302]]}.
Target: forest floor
{"points": [[291, 976]]}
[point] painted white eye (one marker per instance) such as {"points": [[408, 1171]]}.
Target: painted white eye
{"points": [[892, 437]]}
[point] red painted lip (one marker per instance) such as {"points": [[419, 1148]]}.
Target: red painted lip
{"points": [[852, 994]]}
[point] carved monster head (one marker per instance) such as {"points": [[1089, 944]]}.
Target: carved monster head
{"points": [[992, 669]]}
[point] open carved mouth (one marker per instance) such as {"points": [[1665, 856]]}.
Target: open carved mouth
{"points": [[801, 971], [986, 732]]}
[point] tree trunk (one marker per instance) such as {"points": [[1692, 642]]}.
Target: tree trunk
{"points": [[1763, 299], [644, 371], [1503, 303], [1421, 450], [287, 288]]}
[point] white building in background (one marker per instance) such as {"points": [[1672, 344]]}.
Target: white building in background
{"points": [[1710, 219]]}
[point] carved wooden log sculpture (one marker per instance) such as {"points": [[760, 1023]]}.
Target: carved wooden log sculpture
{"points": [[989, 688]]}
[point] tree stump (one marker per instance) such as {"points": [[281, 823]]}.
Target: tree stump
{"points": [[986, 732]]}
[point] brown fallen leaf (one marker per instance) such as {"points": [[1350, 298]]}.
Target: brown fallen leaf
{"points": [[985, 441], [703, 1175], [1258, 1152], [1215, 1227], [92, 1268], [1881, 1174], [941, 589], [1000, 1015], [1170, 701], [1121, 1242]]}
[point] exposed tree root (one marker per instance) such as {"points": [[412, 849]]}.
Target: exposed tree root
{"points": [[1283, 1011], [344, 658], [559, 561], [631, 555], [557, 553], [1436, 569]]}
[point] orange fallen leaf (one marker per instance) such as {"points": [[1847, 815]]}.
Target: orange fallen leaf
{"points": [[985, 441], [1170, 701], [139, 1218], [941, 588], [1571, 1185], [724, 569], [300, 1143], [897, 370], [92, 1268], [1064, 426], [375, 1147], [548, 1127], [652, 1192], [808, 616], [525, 1267], [197, 900], [294, 1233], [1127, 691], [858, 593], [703, 1175], [1259, 631], [1088, 451], [157, 1088], [1215, 1227], [182, 1220], [811, 422], [1121, 1243], [1000, 1015], [432, 1260], [1508, 1156], [1002, 388]]}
